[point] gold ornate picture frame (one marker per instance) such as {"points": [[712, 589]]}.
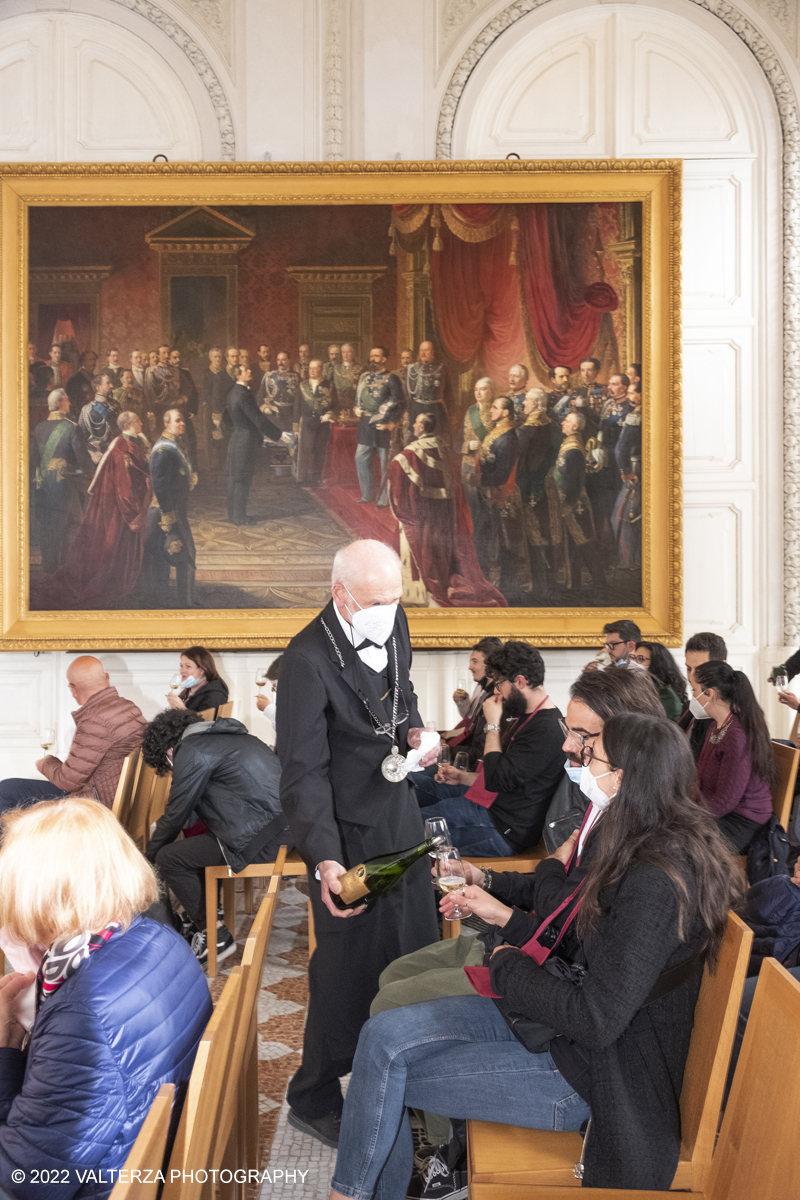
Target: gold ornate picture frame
{"points": [[420, 199]]}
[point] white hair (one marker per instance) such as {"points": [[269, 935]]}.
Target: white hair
{"points": [[579, 418], [535, 394], [486, 382], [362, 560], [55, 398], [519, 367]]}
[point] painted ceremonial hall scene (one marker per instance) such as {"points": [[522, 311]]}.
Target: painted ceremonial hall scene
{"points": [[219, 399]]}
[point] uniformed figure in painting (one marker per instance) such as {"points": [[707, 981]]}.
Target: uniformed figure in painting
{"points": [[313, 415], [248, 427], [281, 389], [346, 375], [98, 417], [576, 544], [424, 383], [168, 535], [379, 403], [539, 439], [497, 511], [60, 463]]}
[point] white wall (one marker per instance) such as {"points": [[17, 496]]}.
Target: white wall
{"points": [[96, 79]]}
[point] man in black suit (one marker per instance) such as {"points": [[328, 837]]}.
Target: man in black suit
{"points": [[346, 699], [248, 427]]}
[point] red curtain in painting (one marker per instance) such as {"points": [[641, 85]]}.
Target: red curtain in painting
{"points": [[487, 261], [477, 302], [564, 314]]}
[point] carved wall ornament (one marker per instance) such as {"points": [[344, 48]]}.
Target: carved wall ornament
{"points": [[334, 82], [786, 103], [208, 76]]}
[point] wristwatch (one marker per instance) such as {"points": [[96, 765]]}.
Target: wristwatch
{"points": [[488, 727]]}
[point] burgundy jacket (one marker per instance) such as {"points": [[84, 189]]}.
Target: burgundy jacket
{"points": [[726, 776], [107, 728]]}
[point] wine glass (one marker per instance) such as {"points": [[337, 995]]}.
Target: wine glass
{"points": [[461, 761], [436, 827], [261, 677], [176, 681], [452, 877], [47, 739], [781, 681]]}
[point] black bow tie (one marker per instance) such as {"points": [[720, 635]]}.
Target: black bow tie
{"points": [[366, 642]]}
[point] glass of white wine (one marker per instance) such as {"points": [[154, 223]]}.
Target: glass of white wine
{"points": [[261, 678], [452, 877], [176, 681], [47, 739]]}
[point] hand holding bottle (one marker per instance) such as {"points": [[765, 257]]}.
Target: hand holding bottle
{"points": [[330, 872]]}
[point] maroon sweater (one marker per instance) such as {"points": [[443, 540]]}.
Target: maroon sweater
{"points": [[727, 779]]}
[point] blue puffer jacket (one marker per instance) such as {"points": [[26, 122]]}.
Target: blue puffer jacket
{"points": [[128, 1020], [772, 911]]}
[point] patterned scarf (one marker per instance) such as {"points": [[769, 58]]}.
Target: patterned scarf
{"points": [[63, 959]]}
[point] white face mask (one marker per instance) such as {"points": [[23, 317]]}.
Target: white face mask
{"points": [[573, 770], [698, 710], [376, 623], [592, 790]]}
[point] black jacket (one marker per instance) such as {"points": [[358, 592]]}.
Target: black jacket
{"points": [[637, 1055], [525, 774], [231, 780], [211, 695], [773, 913], [249, 427]]}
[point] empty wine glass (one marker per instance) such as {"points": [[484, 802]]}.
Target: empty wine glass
{"points": [[461, 761], [443, 755], [47, 739], [436, 827], [781, 682], [176, 681], [452, 877]]}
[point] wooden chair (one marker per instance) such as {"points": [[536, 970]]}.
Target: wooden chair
{"points": [[147, 1152], [224, 710], [787, 760], [756, 1156], [147, 804], [125, 787], [526, 862], [196, 1143], [293, 865], [504, 1157]]}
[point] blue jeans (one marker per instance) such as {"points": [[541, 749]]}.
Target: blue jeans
{"points": [[364, 456], [19, 793], [454, 1056], [430, 792], [471, 828]]}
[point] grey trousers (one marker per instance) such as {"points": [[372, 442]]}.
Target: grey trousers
{"points": [[364, 456]]}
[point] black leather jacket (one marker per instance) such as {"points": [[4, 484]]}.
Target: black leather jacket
{"points": [[230, 779]]}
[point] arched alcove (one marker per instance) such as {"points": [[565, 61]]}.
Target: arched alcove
{"points": [[102, 85], [589, 80]]}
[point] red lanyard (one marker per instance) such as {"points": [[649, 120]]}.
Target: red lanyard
{"points": [[533, 948], [518, 728]]}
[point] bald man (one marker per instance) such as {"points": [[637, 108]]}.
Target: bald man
{"points": [[346, 700], [107, 729]]}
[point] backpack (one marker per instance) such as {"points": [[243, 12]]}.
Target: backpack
{"points": [[768, 853]]}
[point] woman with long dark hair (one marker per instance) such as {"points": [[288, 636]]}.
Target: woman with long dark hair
{"points": [[737, 763], [203, 687], [658, 885], [671, 685]]}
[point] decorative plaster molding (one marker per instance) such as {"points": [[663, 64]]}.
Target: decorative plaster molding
{"points": [[453, 16], [767, 59], [69, 274], [784, 15], [215, 17], [208, 76], [333, 76]]}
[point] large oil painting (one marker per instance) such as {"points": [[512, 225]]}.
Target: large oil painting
{"points": [[220, 391]]}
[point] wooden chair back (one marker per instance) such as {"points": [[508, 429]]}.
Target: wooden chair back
{"points": [[756, 1154], [124, 793], [715, 1018], [150, 795], [224, 710], [793, 736], [787, 759], [147, 1152], [196, 1140]]}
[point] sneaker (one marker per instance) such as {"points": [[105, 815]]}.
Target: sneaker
{"points": [[440, 1183], [324, 1129], [225, 944], [187, 928], [423, 1152]]}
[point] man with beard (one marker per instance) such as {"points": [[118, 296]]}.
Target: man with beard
{"points": [[334, 360], [425, 385], [300, 368], [162, 386], [379, 401], [80, 388], [517, 389], [500, 809], [130, 398], [346, 375], [98, 417], [313, 415]]}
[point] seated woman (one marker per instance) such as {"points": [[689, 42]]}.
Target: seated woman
{"points": [[654, 897], [121, 1001], [202, 686], [737, 763], [671, 685]]}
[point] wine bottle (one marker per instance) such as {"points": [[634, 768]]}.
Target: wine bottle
{"points": [[364, 883]]}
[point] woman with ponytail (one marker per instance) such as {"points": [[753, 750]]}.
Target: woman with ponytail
{"points": [[737, 764]]}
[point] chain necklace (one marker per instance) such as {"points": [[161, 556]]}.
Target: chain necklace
{"points": [[395, 767]]}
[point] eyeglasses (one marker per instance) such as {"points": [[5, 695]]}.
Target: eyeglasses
{"points": [[586, 751], [611, 645], [496, 682], [641, 658]]}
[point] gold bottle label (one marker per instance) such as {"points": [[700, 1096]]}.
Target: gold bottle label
{"points": [[354, 884]]}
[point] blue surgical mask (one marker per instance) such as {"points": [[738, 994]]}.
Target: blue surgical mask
{"points": [[190, 682], [573, 770]]}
